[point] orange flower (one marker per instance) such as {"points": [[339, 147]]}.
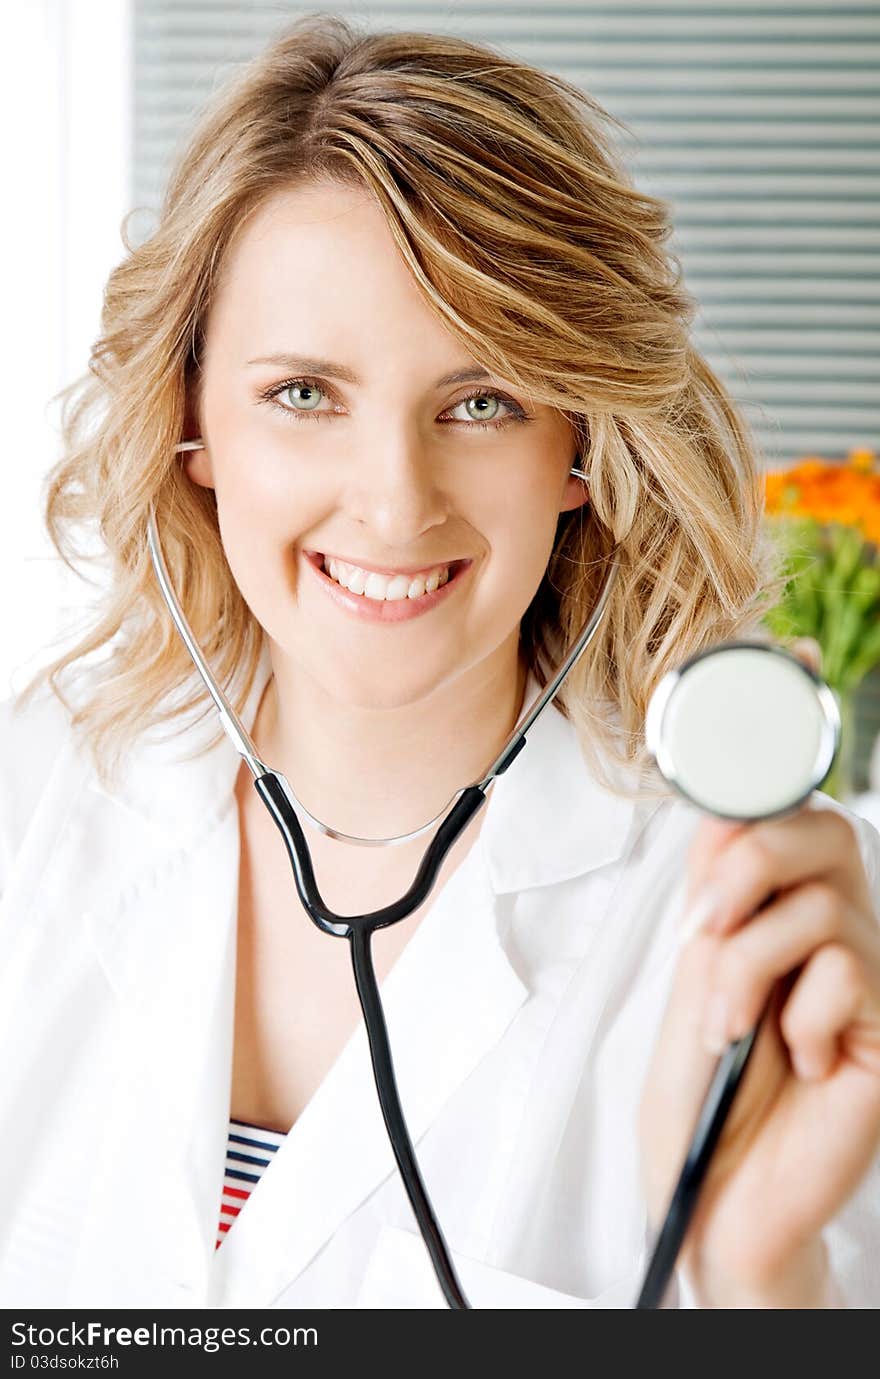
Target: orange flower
{"points": [[847, 493], [863, 460]]}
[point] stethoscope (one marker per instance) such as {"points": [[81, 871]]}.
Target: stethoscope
{"points": [[743, 730]]}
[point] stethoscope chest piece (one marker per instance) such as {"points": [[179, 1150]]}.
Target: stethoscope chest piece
{"points": [[743, 730]]}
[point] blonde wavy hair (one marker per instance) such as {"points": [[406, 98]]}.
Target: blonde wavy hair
{"points": [[513, 210]]}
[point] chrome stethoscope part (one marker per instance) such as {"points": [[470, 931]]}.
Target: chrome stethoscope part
{"points": [[744, 730]]}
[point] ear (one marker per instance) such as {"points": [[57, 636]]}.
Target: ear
{"points": [[196, 464], [576, 492]]}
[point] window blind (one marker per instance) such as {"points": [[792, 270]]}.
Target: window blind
{"points": [[757, 122]]}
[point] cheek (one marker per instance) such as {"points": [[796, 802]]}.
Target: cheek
{"points": [[520, 527], [259, 519], [259, 488]]}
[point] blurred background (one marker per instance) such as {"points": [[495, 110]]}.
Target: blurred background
{"points": [[759, 122]]}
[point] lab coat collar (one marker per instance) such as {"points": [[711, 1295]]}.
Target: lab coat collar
{"points": [[173, 780], [549, 820]]}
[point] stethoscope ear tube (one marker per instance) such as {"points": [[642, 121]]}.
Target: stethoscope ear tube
{"points": [[276, 795]]}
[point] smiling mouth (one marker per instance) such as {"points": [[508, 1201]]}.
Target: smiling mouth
{"points": [[385, 587]]}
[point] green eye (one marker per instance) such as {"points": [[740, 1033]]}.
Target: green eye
{"points": [[483, 407], [478, 400], [307, 388]]}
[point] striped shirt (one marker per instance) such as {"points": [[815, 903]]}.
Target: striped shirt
{"points": [[249, 1151]]}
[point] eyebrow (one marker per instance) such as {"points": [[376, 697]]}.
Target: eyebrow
{"points": [[333, 370]]}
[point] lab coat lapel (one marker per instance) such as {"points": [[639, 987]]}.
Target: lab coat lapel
{"points": [[448, 999], [156, 882], [168, 950], [550, 818]]}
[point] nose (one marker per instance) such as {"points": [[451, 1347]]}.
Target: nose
{"points": [[395, 490]]}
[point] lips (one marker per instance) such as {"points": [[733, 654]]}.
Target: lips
{"points": [[382, 610], [321, 556]]}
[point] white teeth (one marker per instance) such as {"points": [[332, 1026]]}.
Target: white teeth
{"points": [[376, 586], [384, 587], [356, 581], [398, 587]]}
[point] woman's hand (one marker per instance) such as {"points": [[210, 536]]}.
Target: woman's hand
{"points": [[793, 922]]}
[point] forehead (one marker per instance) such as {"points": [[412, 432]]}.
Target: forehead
{"points": [[309, 212], [316, 272], [312, 239]]}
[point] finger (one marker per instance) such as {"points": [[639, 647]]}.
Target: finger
{"points": [[774, 854], [711, 837], [825, 1001], [749, 961]]}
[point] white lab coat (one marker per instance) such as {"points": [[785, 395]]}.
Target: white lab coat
{"points": [[522, 1015]]}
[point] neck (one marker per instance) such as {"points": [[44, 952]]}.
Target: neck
{"points": [[381, 772]]}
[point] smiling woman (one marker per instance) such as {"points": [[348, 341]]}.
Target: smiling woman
{"points": [[405, 478], [403, 365], [374, 200]]}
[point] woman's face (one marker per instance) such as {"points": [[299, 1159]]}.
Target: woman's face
{"points": [[389, 469]]}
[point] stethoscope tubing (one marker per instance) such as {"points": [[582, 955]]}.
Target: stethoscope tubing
{"points": [[710, 1123], [359, 930], [395, 1124]]}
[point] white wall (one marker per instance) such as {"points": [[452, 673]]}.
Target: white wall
{"points": [[65, 88]]}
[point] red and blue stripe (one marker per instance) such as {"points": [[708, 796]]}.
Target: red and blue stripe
{"points": [[249, 1151]]}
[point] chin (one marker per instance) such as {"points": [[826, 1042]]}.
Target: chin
{"points": [[380, 687], [365, 693]]}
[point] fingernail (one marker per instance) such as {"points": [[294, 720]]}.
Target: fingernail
{"points": [[716, 1023], [701, 911]]}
